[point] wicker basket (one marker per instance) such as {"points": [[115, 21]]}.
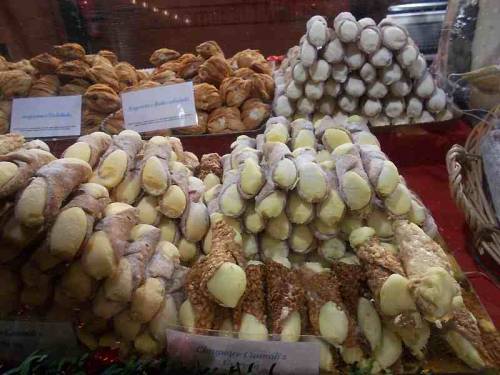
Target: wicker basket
{"points": [[468, 188]]}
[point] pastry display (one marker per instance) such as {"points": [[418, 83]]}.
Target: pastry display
{"points": [[358, 67], [101, 78]]}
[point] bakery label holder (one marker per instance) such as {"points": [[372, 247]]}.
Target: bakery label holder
{"points": [[160, 108], [47, 117]]}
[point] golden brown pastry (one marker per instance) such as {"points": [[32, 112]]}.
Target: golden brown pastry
{"points": [[74, 87], [262, 86], [14, 83], [91, 121], [46, 85], [73, 69], [235, 91], [114, 123], [45, 63], [126, 74], [254, 112], [245, 73], [163, 76], [69, 51], [209, 49], [262, 67], [201, 128], [23, 65], [142, 85], [102, 98], [206, 97], [245, 59], [111, 56], [4, 65], [162, 55], [5, 109], [214, 70], [189, 65], [105, 74], [173, 65], [225, 119], [10, 142]]}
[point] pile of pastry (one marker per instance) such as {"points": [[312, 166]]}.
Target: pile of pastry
{"points": [[230, 95], [327, 240], [101, 236], [359, 67]]}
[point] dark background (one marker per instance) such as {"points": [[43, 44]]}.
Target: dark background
{"points": [[135, 28]]}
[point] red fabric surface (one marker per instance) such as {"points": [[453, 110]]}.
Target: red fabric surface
{"points": [[420, 157]]}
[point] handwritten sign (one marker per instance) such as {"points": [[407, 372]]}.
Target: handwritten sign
{"points": [[54, 116], [18, 339], [256, 357], [158, 108]]}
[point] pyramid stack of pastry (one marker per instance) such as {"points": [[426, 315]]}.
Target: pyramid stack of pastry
{"points": [[358, 67]]}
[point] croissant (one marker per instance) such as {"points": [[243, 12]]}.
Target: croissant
{"points": [[206, 97], [224, 119], [102, 98], [45, 63], [162, 55], [214, 70], [70, 51], [209, 49]]}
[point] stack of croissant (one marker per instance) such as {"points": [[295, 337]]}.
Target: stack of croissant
{"points": [[230, 95]]}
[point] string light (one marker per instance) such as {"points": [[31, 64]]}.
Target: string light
{"points": [[155, 9]]}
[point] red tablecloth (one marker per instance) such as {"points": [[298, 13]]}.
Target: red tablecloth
{"points": [[420, 158]]}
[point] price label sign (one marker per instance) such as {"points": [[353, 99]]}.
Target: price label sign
{"points": [[54, 116], [221, 355], [18, 339], [159, 108]]}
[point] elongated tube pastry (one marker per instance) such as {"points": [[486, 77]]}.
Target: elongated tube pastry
{"points": [[250, 315], [391, 290], [18, 167], [41, 200], [118, 159], [354, 187], [313, 184], [109, 241], [281, 165], [155, 175], [431, 279], [89, 147], [285, 299]]}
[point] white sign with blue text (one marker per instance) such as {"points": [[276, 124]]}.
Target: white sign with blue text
{"points": [[223, 355], [53, 116], [159, 108]]}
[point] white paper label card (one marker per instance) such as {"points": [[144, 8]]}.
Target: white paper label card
{"points": [[53, 116], [160, 108], [227, 355], [18, 339]]}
